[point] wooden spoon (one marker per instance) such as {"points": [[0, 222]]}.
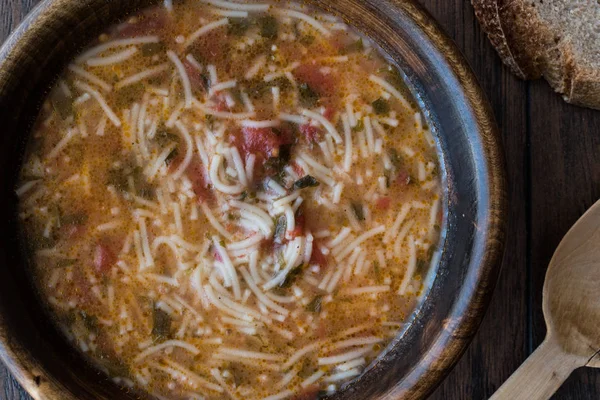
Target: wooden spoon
{"points": [[572, 311]]}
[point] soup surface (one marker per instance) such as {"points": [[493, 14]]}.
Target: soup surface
{"points": [[230, 200]]}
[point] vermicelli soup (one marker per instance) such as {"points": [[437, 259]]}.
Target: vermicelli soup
{"points": [[231, 201]]}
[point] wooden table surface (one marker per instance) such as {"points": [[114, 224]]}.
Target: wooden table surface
{"points": [[553, 154]]}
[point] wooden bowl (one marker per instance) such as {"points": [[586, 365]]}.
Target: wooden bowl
{"points": [[458, 289]]}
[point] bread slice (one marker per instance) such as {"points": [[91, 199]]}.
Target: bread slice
{"points": [[556, 39]]}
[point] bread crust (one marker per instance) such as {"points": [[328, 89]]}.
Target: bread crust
{"points": [[529, 47], [502, 20]]}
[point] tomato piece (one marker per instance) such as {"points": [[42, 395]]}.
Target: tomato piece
{"points": [[383, 203], [267, 245], [286, 134], [152, 22], [104, 258], [217, 256], [212, 47], [72, 231], [322, 330], [195, 76], [313, 76], [237, 140], [82, 288], [221, 104], [298, 231], [403, 178], [310, 393], [106, 349], [198, 175], [317, 257], [329, 113], [310, 132], [300, 224], [298, 169], [263, 141]]}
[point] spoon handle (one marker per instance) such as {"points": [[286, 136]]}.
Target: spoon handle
{"points": [[540, 376]]}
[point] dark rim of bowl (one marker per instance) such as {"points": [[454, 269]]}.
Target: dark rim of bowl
{"points": [[464, 318]]}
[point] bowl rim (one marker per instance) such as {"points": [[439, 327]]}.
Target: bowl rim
{"points": [[453, 340]]}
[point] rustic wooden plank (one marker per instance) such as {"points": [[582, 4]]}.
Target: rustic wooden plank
{"points": [[11, 13], [564, 183], [500, 345]]}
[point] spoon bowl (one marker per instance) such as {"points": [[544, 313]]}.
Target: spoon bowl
{"points": [[571, 308], [571, 303]]}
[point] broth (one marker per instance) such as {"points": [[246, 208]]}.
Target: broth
{"points": [[229, 200]]}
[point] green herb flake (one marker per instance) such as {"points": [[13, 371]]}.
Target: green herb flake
{"points": [[74, 219], [285, 152], [421, 266], [358, 210], [161, 324], [315, 305], [61, 102], [143, 188], [381, 106], [118, 179], [279, 291], [152, 49], [44, 242], [355, 47], [210, 121], [305, 182], [130, 93], [307, 40], [237, 95], [388, 179], [275, 165], [238, 26], [308, 97], [257, 89], [269, 27], [280, 227], [283, 83], [163, 137], [291, 277], [247, 195], [65, 262], [395, 157], [172, 155], [89, 321], [377, 270], [360, 125], [394, 77]]}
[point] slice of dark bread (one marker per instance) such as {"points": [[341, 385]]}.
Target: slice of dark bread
{"points": [[556, 39]]}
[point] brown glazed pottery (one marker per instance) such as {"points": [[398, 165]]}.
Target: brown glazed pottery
{"points": [[458, 288]]}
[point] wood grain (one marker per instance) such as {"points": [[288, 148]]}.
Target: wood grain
{"points": [[571, 312], [552, 152], [565, 173], [540, 376]]}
